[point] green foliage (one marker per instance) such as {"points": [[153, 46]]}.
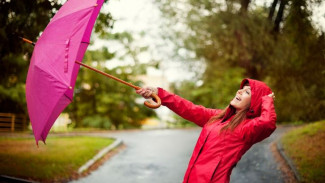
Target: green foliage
{"points": [[14, 98], [56, 161], [215, 91], [24, 18], [131, 49], [102, 102], [306, 147], [97, 121], [297, 71], [104, 21], [27, 19], [236, 40]]}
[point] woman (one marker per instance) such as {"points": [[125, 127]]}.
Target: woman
{"points": [[226, 134]]}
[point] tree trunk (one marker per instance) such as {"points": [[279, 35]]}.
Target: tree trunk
{"points": [[272, 9], [279, 16], [74, 114], [244, 5], [94, 102]]}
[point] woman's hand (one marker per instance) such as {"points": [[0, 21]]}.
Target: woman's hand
{"points": [[271, 95], [146, 92]]}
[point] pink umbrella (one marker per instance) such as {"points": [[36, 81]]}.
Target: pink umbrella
{"points": [[53, 70]]}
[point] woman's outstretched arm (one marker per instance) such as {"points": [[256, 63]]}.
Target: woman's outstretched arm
{"points": [[184, 108]]}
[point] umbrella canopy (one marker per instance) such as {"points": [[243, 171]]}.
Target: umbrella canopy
{"points": [[52, 72]]}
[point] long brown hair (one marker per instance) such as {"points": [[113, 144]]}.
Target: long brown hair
{"points": [[234, 122]]}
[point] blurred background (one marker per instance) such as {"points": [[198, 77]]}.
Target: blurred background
{"points": [[198, 49]]}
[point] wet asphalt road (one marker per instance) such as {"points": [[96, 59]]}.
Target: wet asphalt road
{"points": [[161, 156], [258, 164]]}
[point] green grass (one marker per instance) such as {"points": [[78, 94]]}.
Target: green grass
{"points": [[306, 147], [57, 160]]}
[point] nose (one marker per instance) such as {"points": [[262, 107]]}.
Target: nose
{"points": [[240, 91]]}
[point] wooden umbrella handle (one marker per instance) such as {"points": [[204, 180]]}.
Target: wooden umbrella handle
{"points": [[153, 105], [146, 103]]}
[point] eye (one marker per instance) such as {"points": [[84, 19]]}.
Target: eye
{"points": [[247, 92]]}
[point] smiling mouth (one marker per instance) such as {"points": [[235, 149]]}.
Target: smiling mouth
{"points": [[237, 98]]}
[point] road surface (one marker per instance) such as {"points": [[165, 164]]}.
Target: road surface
{"points": [[161, 156]]}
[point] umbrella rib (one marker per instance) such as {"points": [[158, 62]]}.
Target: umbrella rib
{"points": [[70, 14], [68, 97], [50, 75]]}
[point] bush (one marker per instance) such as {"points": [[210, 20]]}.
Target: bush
{"points": [[97, 121]]}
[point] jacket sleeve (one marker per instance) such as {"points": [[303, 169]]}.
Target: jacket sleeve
{"points": [[186, 109], [263, 126]]}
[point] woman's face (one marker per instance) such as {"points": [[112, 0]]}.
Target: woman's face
{"points": [[242, 99]]}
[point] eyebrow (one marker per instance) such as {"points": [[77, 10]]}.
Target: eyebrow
{"points": [[248, 88]]}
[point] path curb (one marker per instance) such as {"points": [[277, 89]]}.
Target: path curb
{"points": [[7, 179], [100, 154], [288, 160]]}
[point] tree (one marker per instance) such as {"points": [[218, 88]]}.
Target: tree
{"points": [[19, 18], [234, 40], [298, 67], [102, 102], [27, 19]]}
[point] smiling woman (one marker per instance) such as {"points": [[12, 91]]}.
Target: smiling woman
{"points": [[242, 99], [226, 134]]}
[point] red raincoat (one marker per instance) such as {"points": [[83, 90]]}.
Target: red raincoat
{"points": [[215, 154]]}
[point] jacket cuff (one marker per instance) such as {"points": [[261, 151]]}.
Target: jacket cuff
{"points": [[161, 94]]}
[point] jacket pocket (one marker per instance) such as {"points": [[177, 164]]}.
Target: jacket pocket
{"points": [[215, 168]]}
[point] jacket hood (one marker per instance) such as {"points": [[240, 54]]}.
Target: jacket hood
{"points": [[258, 90]]}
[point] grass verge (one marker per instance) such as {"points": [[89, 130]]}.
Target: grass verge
{"points": [[58, 160], [306, 147]]}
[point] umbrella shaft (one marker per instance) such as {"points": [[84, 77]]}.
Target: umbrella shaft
{"points": [[27, 40], [108, 75], [91, 68]]}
